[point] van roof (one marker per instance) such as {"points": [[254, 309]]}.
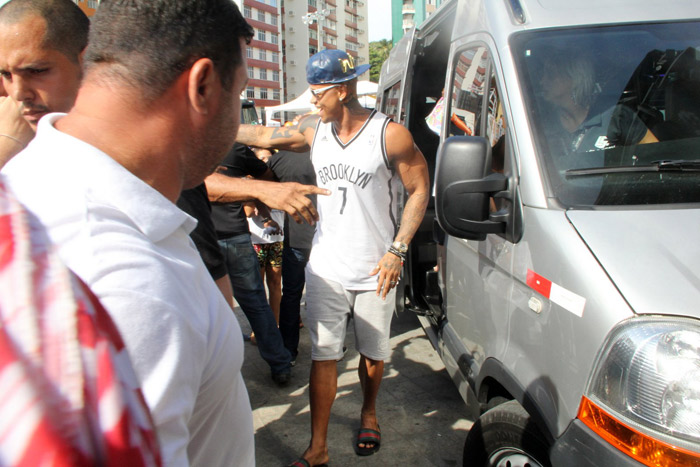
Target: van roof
{"points": [[499, 20]]}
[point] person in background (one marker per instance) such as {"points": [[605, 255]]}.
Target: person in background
{"points": [[363, 159], [293, 167], [195, 202], [157, 110], [267, 243], [41, 47], [242, 264]]}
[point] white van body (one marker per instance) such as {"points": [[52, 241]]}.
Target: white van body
{"points": [[557, 271]]}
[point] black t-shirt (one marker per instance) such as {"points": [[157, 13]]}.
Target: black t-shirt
{"points": [[195, 202], [295, 167], [229, 218]]}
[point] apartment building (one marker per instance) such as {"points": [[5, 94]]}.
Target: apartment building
{"points": [[313, 25], [287, 33], [407, 13], [265, 84]]}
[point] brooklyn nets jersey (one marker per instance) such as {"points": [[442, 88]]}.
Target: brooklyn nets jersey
{"points": [[358, 221]]}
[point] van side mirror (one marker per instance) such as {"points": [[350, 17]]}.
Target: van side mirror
{"points": [[464, 184]]}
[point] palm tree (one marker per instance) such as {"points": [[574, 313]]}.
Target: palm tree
{"points": [[378, 52]]}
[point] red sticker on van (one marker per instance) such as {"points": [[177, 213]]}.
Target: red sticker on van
{"points": [[539, 283]]}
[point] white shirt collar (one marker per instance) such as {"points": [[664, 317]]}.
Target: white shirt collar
{"points": [[113, 185]]}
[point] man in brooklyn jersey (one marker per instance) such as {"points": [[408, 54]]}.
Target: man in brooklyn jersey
{"points": [[360, 243]]}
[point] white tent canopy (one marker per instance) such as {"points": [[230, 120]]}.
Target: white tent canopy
{"points": [[302, 104], [366, 88]]}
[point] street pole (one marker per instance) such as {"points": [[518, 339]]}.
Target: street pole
{"points": [[309, 18]]}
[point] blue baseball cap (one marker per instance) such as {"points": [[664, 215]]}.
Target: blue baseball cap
{"points": [[332, 66]]}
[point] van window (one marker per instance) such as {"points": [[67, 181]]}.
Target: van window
{"points": [[474, 86], [495, 123], [467, 96], [615, 111], [390, 101]]}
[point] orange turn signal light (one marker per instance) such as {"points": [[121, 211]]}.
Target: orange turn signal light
{"points": [[637, 445]]}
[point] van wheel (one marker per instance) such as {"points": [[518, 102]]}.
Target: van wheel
{"points": [[505, 437]]}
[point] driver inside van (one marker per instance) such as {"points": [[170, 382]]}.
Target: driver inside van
{"points": [[579, 120]]}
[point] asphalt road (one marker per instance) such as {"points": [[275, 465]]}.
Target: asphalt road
{"points": [[422, 416]]}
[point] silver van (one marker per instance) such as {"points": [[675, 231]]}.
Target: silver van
{"points": [[557, 271]]}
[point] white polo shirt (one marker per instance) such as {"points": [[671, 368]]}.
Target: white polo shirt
{"points": [[131, 245]]}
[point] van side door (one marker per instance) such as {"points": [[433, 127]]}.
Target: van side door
{"points": [[477, 275]]}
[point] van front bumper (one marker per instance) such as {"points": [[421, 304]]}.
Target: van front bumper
{"points": [[579, 446]]}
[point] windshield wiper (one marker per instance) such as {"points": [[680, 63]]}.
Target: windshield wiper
{"points": [[656, 166]]}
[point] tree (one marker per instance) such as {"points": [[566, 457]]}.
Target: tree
{"points": [[378, 53]]}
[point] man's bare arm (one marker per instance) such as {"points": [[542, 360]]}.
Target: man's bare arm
{"points": [[289, 197], [293, 138], [413, 171]]}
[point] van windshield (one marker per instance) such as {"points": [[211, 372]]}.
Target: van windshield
{"points": [[615, 111]]}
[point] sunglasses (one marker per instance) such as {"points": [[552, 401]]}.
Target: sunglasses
{"points": [[318, 93]]}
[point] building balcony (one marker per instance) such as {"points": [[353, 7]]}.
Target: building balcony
{"points": [[264, 26], [261, 6], [265, 45], [264, 83], [263, 64], [260, 103]]}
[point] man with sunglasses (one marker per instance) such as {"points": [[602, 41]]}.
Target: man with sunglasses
{"points": [[358, 250]]}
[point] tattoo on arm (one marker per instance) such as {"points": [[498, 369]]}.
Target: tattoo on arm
{"points": [[308, 122], [279, 133], [413, 213]]}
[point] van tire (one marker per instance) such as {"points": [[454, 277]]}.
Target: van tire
{"points": [[505, 435]]}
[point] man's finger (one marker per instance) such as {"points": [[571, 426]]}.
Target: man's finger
{"points": [[295, 215], [314, 190], [387, 288], [306, 211]]}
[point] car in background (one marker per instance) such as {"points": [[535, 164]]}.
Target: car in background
{"points": [[249, 114]]}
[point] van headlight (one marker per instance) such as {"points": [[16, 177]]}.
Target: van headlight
{"points": [[644, 394]]}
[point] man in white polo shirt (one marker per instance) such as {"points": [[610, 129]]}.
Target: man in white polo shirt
{"points": [[157, 110]]}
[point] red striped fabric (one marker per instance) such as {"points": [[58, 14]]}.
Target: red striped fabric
{"points": [[68, 394]]}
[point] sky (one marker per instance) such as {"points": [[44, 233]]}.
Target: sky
{"points": [[379, 19]]}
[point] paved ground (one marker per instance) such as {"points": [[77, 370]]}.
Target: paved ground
{"points": [[422, 416]]}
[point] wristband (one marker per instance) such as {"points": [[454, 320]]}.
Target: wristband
{"points": [[395, 251]]}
